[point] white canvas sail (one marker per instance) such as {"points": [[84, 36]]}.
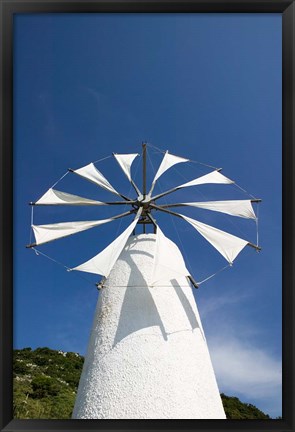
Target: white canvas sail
{"points": [[103, 263], [213, 177], [91, 173], [167, 264], [55, 197], [228, 245], [167, 162], [47, 233], [240, 208], [125, 162]]}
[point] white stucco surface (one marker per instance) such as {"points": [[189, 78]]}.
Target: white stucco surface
{"points": [[147, 355]]}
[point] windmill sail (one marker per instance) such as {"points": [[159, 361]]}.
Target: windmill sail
{"points": [[125, 162], [167, 162], [240, 208], [55, 197], [47, 233], [91, 173], [103, 263], [213, 177], [167, 264], [228, 245]]}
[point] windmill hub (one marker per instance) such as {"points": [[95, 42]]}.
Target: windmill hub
{"points": [[145, 203], [143, 199]]}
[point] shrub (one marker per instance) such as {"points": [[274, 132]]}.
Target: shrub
{"points": [[44, 386]]}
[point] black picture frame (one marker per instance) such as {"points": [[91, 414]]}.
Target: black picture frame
{"points": [[10, 7]]}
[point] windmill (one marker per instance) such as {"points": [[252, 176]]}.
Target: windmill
{"points": [[147, 355]]}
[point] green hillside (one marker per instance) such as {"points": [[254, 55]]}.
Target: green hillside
{"points": [[46, 382]]}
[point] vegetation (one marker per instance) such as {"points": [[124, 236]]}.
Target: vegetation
{"points": [[235, 409], [46, 382]]}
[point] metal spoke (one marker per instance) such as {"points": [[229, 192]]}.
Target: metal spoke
{"points": [[187, 204], [113, 218], [135, 187], [258, 248], [121, 195], [164, 193], [86, 204]]}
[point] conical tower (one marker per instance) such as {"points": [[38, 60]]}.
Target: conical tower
{"points": [[147, 356]]}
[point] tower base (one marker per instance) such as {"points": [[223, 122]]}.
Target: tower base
{"points": [[147, 356]]}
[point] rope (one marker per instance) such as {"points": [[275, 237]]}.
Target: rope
{"points": [[239, 187], [59, 179], [144, 286], [100, 160], [151, 163], [192, 161], [214, 274], [38, 252], [167, 286], [156, 148], [201, 163]]}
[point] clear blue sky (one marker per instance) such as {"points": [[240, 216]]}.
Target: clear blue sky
{"points": [[205, 86]]}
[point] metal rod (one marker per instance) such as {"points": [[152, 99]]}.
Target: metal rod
{"points": [[166, 211], [135, 187], [114, 217], [124, 214], [258, 248], [153, 221], [173, 205], [144, 176], [192, 281], [187, 204], [144, 169], [31, 245], [101, 203], [121, 195], [119, 203], [125, 198], [165, 193], [172, 190]]}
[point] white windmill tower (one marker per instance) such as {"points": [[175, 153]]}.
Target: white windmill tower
{"points": [[147, 355]]}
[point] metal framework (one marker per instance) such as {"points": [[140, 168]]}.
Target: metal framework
{"points": [[142, 207], [146, 202]]}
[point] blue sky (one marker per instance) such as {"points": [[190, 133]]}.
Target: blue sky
{"points": [[205, 86]]}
